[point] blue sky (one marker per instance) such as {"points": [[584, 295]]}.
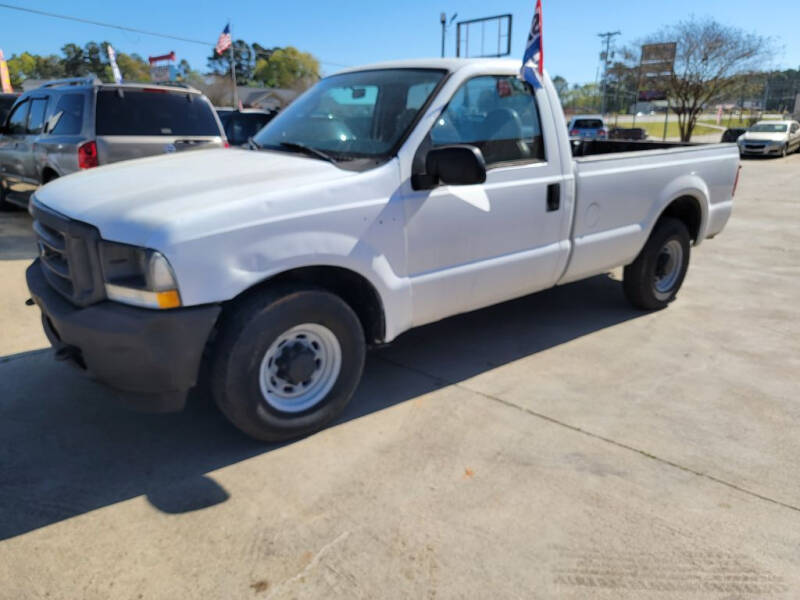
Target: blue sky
{"points": [[349, 32]]}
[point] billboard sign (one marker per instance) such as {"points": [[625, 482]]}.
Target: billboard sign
{"points": [[655, 69], [163, 73], [484, 38]]}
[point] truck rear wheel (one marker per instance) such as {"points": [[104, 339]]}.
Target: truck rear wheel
{"points": [[287, 362], [652, 281]]}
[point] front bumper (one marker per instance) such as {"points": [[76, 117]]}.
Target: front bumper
{"points": [[151, 358], [756, 149]]}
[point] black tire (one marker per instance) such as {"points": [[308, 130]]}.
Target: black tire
{"points": [[640, 278], [5, 205], [246, 334]]}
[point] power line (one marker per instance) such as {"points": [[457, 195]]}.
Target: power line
{"points": [[100, 24], [121, 27]]}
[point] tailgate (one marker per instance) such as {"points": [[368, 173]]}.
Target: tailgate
{"points": [[114, 148]]}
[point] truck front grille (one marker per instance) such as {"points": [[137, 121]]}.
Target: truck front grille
{"points": [[68, 255]]}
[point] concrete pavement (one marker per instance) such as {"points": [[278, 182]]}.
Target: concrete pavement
{"points": [[561, 445]]}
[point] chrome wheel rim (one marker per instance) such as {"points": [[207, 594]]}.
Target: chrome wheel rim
{"points": [[300, 368], [668, 267]]}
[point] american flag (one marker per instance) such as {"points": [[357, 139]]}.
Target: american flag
{"points": [[533, 60], [224, 41]]}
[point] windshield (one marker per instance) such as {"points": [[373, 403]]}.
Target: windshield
{"points": [[353, 115], [769, 128]]}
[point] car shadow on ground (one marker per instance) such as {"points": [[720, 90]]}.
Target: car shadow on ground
{"points": [[16, 236], [67, 448]]}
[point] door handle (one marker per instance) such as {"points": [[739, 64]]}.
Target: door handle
{"points": [[553, 197]]}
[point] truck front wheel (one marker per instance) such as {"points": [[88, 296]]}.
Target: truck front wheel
{"points": [[652, 281], [286, 362]]}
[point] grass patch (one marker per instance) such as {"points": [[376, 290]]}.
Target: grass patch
{"points": [[656, 130]]}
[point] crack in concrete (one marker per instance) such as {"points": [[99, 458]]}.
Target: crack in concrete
{"points": [[315, 560], [438, 380]]}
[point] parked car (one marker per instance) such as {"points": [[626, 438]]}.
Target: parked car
{"points": [[270, 270], [635, 134], [770, 138], [6, 102], [241, 125], [74, 124], [732, 134], [588, 127]]}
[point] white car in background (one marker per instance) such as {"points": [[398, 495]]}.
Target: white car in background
{"points": [[770, 138]]}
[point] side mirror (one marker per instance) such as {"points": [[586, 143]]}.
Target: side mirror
{"points": [[452, 165]]}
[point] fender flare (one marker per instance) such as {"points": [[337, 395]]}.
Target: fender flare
{"points": [[686, 186]]}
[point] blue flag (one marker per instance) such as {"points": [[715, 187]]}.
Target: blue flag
{"points": [[533, 60]]}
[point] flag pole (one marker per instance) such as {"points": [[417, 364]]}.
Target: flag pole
{"points": [[233, 74]]}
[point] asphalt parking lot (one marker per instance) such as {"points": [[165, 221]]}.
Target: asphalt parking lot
{"points": [[560, 445]]}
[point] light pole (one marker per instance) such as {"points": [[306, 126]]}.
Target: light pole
{"points": [[445, 25], [444, 31]]}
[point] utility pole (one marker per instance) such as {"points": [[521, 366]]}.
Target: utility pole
{"points": [[608, 38]]}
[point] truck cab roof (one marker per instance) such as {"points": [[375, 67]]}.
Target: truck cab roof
{"points": [[503, 65]]}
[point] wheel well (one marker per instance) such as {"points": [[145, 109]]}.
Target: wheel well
{"points": [[48, 175], [686, 209], [351, 287]]}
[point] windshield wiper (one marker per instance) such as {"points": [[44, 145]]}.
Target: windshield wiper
{"points": [[253, 145], [308, 150]]}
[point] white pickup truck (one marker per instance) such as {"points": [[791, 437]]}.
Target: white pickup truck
{"points": [[384, 198]]}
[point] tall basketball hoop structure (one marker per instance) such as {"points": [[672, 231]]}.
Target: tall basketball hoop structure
{"points": [[489, 37]]}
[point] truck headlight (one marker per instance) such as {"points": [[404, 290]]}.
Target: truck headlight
{"points": [[138, 276]]}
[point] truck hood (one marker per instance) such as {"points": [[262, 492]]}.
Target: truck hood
{"points": [[757, 136], [165, 190]]}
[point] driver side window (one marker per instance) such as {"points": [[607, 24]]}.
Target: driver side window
{"points": [[498, 114], [18, 120]]}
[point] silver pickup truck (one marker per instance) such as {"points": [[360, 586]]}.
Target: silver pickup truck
{"points": [[73, 124]]}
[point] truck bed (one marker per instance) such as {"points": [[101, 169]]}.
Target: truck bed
{"points": [[582, 148], [622, 186]]}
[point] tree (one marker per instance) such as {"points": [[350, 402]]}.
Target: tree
{"points": [[32, 66], [622, 80], [189, 76], [259, 52], [561, 85], [711, 59], [243, 57], [74, 61], [132, 67], [581, 98], [77, 61], [287, 68]]}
